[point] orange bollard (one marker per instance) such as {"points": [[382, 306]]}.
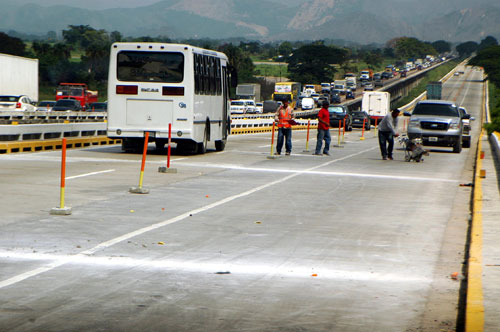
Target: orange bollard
{"points": [[139, 189], [62, 210], [363, 130], [272, 156], [376, 127], [307, 139], [163, 169], [343, 131]]}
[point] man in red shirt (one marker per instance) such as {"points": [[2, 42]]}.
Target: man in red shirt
{"points": [[323, 130]]}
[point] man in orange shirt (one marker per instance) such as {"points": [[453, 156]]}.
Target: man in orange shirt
{"points": [[283, 116], [323, 130]]}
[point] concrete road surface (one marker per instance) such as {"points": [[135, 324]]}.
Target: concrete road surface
{"points": [[235, 241]]}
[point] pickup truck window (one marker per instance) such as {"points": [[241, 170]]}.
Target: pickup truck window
{"points": [[435, 109]]}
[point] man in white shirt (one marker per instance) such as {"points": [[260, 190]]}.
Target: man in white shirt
{"points": [[387, 130]]}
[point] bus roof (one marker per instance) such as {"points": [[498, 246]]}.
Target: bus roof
{"points": [[154, 46]]}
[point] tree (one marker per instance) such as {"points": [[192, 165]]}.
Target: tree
{"points": [[240, 61], [467, 48], [11, 45], [487, 42], [406, 48], [441, 46], [489, 59], [313, 63]]}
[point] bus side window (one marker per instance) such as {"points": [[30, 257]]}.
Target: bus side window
{"points": [[212, 76], [206, 81], [218, 77], [196, 74]]}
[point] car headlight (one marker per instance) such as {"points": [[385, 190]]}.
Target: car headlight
{"points": [[413, 124], [454, 125]]}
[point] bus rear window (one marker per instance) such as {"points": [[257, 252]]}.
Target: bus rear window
{"points": [[138, 66]]}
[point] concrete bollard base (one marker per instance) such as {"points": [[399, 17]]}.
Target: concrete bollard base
{"points": [[65, 211], [361, 138], [306, 150], [163, 169], [273, 157], [137, 190], [338, 146]]}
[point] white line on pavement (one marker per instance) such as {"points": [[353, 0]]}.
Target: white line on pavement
{"points": [[89, 174]]}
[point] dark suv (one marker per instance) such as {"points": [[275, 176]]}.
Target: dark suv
{"points": [[67, 105], [337, 115], [437, 123]]}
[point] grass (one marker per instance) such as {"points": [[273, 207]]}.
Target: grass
{"points": [[271, 70], [494, 105]]}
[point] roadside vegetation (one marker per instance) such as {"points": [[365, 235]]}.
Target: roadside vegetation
{"points": [[488, 57]]}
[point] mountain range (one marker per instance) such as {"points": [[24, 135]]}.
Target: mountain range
{"points": [[360, 21]]}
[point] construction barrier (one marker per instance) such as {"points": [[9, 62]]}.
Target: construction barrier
{"points": [[55, 144]]}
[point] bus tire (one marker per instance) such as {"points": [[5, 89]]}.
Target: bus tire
{"points": [[133, 145], [220, 145], [202, 147], [160, 144]]}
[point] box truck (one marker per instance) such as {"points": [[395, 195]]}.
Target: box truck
{"points": [[18, 76], [377, 104], [248, 91]]}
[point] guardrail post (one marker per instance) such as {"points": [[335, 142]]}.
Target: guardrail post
{"points": [[62, 210], [139, 189], [163, 169]]}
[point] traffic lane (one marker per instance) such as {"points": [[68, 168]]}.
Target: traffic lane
{"points": [[289, 237]]}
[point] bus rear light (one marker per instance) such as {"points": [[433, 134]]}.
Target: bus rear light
{"points": [[173, 91], [127, 89]]}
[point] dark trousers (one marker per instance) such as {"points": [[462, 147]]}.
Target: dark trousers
{"points": [[284, 133], [323, 134], [385, 137]]}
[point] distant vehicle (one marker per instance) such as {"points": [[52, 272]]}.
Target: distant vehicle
{"points": [[376, 104], [238, 107], [77, 91], [248, 91], [386, 75], [360, 117], [368, 86], [335, 98], [68, 105], [466, 135], [45, 105], [366, 74], [349, 94], [325, 88], [250, 103], [434, 90], [307, 103], [337, 115], [378, 82], [437, 123], [270, 106], [287, 91], [456, 73], [377, 76], [259, 107], [98, 107], [321, 99], [402, 73], [17, 103], [340, 86], [315, 96]]}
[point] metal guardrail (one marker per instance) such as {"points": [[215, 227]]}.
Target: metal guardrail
{"points": [[45, 116], [26, 132]]}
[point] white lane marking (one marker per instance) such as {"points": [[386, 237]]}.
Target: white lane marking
{"points": [[89, 174], [124, 237], [248, 268]]}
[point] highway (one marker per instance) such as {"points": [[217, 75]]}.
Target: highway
{"points": [[235, 241]]}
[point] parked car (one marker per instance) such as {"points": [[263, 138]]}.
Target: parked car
{"points": [[16, 103], [45, 105], [98, 107], [437, 123], [358, 117], [259, 107], [69, 105], [337, 115], [250, 103]]}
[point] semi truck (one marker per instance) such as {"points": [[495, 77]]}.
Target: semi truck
{"points": [[248, 91], [18, 76], [366, 75], [377, 104], [434, 90]]}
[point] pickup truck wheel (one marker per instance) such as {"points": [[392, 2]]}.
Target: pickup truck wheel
{"points": [[457, 147], [466, 144]]}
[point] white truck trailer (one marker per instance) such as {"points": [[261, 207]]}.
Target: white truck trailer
{"points": [[248, 91], [377, 104], [18, 76]]}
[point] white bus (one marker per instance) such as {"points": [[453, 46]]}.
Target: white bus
{"points": [[152, 85]]}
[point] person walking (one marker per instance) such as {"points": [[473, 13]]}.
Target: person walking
{"points": [[387, 130], [323, 130], [284, 116]]}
